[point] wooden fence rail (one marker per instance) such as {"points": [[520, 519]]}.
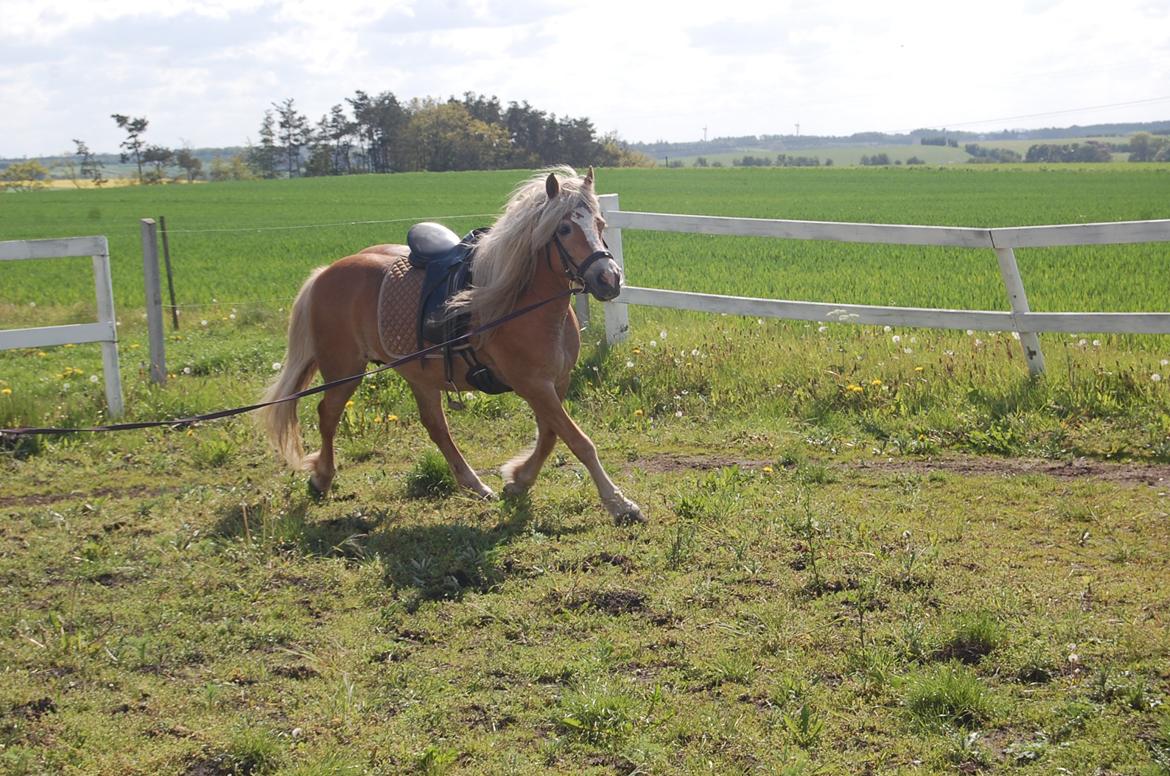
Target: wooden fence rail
{"points": [[1002, 241], [103, 331]]}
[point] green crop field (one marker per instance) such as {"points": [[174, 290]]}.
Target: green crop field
{"points": [[867, 550]]}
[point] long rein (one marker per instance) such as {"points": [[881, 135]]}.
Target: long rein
{"points": [[180, 423]]}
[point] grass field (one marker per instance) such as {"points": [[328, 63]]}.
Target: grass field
{"points": [[868, 551]]}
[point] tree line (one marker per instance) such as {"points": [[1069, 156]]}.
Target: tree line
{"points": [[381, 134]]}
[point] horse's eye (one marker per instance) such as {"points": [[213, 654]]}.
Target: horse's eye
{"points": [[564, 230]]}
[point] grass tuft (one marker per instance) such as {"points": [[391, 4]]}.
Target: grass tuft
{"points": [[430, 477], [948, 695]]}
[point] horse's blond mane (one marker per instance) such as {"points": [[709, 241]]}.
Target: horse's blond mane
{"points": [[506, 257]]}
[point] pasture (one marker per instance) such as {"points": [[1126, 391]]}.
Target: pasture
{"points": [[868, 551]]}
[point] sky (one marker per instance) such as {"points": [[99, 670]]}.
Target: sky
{"points": [[204, 71]]}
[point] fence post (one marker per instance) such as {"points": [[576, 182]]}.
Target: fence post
{"points": [[1029, 340], [617, 315], [104, 288], [162, 222], [153, 287]]}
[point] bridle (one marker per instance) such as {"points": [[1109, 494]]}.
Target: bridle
{"points": [[574, 271]]}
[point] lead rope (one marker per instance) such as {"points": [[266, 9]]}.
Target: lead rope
{"points": [[181, 423]]}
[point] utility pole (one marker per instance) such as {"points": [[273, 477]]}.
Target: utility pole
{"points": [[704, 134]]}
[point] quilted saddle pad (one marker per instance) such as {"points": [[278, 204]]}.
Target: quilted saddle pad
{"points": [[398, 303]]}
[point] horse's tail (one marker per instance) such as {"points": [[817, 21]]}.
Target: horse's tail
{"points": [[300, 364]]}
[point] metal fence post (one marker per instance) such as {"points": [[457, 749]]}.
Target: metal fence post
{"points": [[153, 287], [617, 315], [1029, 340]]}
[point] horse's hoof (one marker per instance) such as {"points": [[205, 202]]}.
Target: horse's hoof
{"points": [[630, 517], [315, 493], [513, 489]]}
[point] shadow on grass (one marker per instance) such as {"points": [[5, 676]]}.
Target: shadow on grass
{"points": [[425, 561]]}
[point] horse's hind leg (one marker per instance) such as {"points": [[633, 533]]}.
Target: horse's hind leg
{"points": [[520, 472], [430, 410], [329, 412]]}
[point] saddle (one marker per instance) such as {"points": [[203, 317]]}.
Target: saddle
{"points": [[446, 261]]}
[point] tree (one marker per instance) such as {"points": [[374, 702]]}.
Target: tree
{"points": [[133, 144], [379, 123], [91, 166], [445, 137], [238, 168], [189, 164], [24, 176], [264, 158], [293, 134], [161, 158]]}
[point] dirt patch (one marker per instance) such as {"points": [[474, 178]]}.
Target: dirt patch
{"points": [[1079, 468], [1133, 473], [44, 499]]}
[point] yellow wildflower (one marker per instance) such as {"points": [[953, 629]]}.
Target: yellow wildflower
{"points": [[5, 391], [638, 413], [392, 418], [767, 470], [875, 382]]}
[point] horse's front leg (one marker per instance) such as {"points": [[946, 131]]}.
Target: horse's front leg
{"points": [[520, 473], [550, 414], [430, 410]]}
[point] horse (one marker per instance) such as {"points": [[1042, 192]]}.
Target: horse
{"points": [[336, 328]]}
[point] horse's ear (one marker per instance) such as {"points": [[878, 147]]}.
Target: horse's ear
{"points": [[552, 186], [589, 178]]}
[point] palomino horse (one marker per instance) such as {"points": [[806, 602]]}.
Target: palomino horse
{"points": [[336, 327]]}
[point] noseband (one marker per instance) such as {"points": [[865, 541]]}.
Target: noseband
{"points": [[575, 271]]}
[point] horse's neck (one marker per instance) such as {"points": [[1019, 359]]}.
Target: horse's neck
{"points": [[547, 280]]}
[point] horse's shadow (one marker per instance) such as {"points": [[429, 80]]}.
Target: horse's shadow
{"points": [[424, 562]]}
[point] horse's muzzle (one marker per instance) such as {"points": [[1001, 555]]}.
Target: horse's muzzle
{"points": [[604, 280]]}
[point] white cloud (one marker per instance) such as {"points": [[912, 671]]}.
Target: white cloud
{"points": [[205, 70]]}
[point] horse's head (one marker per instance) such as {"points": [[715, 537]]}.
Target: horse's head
{"points": [[579, 241]]}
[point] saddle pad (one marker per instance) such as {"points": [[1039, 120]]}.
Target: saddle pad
{"points": [[398, 303]]}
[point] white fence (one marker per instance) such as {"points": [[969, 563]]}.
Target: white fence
{"points": [[1003, 241], [104, 330]]}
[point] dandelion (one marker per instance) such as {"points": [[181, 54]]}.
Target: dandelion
{"points": [[767, 470], [275, 366], [1096, 343], [854, 388], [875, 382], [896, 338], [1015, 335], [678, 413], [232, 316], [629, 364], [887, 329], [695, 353], [653, 343], [70, 345], [662, 334], [391, 418], [918, 369], [186, 370], [32, 304], [638, 413], [1157, 378], [1165, 362], [907, 351], [349, 404], [203, 322], [970, 332], [1082, 342], [822, 329], [93, 378], [637, 351], [5, 391]]}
